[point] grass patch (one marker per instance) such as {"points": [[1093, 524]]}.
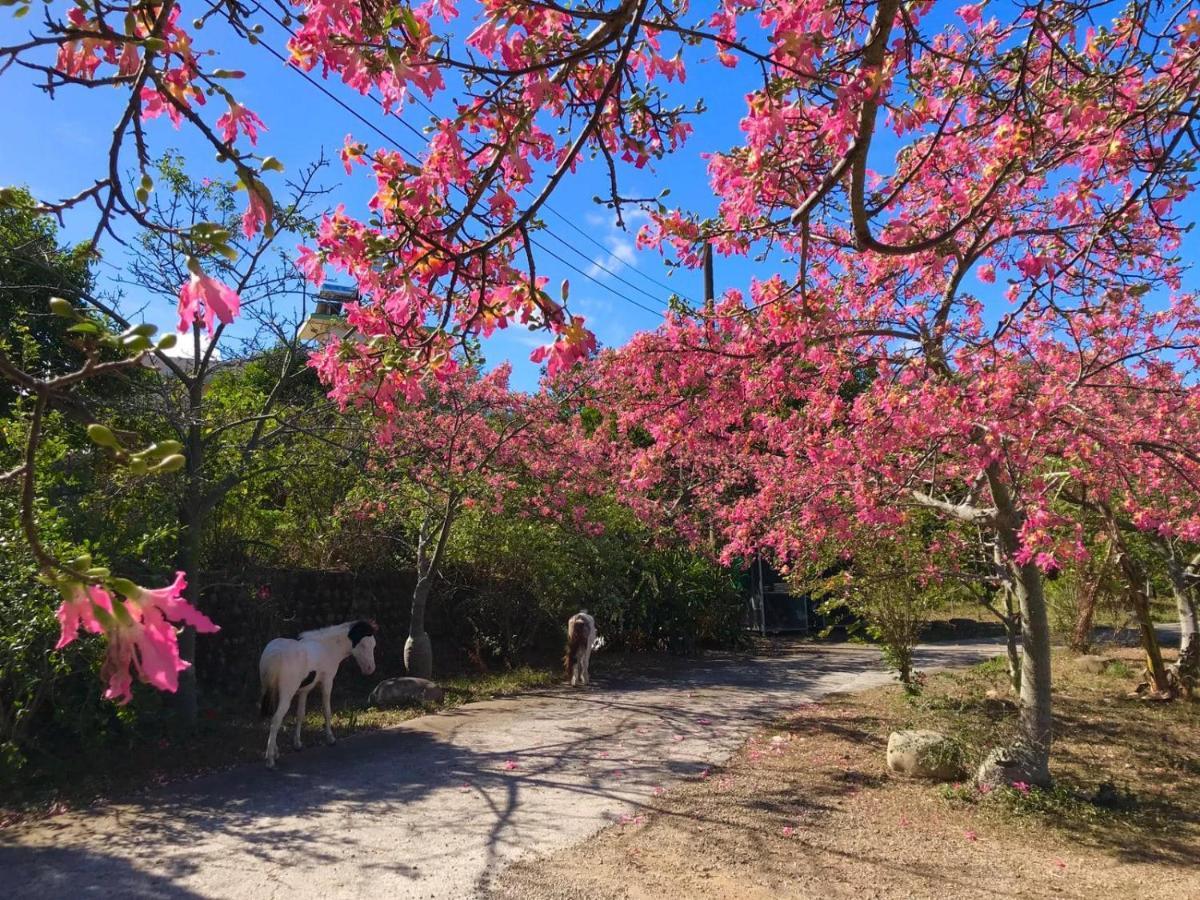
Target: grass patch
{"points": [[228, 733], [1123, 767]]}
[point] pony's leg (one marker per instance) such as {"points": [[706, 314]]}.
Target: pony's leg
{"points": [[585, 659], [326, 692], [301, 705], [285, 701]]}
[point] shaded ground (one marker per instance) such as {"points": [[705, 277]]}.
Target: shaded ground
{"points": [[807, 808], [61, 777], [437, 805]]}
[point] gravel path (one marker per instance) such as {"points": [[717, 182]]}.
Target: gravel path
{"points": [[435, 807]]}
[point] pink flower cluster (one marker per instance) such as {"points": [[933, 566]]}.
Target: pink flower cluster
{"points": [[141, 631]]}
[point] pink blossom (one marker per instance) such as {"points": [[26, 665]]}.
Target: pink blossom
{"points": [[239, 117], [256, 215], [81, 611], [203, 299], [141, 633], [971, 14]]}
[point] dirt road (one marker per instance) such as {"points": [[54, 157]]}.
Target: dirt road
{"points": [[435, 807]]}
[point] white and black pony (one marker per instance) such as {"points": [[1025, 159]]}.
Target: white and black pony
{"points": [[291, 668]]}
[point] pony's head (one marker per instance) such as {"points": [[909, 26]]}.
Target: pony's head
{"points": [[362, 645]]}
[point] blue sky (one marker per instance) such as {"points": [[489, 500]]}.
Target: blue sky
{"points": [[57, 147]]}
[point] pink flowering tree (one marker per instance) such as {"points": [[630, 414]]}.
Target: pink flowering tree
{"points": [[466, 439], [1049, 144], [795, 433]]}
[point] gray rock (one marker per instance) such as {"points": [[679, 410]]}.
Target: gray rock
{"points": [[1008, 765], [405, 692], [1091, 664], [924, 754]]}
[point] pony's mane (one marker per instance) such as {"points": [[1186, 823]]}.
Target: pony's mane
{"points": [[329, 631]]}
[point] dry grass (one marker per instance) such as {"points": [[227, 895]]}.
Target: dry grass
{"points": [[808, 809]]}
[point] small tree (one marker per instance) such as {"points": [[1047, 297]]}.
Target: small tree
{"points": [[462, 439], [891, 587]]}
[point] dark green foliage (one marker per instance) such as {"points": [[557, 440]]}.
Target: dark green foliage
{"points": [[33, 268]]}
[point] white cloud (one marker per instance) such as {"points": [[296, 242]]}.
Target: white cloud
{"points": [[622, 252]]}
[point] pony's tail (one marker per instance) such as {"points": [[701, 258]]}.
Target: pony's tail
{"points": [[266, 703], [576, 639]]}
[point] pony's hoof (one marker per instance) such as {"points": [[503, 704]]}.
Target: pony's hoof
{"points": [[270, 762], [296, 745], [330, 740]]}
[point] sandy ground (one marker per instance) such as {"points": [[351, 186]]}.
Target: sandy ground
{"points": [[807, 809], [438, 806]]}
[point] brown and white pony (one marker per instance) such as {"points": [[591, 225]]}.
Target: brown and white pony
{"points": [[291, 668], [581, 641]]}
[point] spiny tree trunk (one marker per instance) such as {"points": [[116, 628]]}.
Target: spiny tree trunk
{"points": [[1012, 639], [1031, 761], [1010, 618], [1137, 591], [418, 650]]}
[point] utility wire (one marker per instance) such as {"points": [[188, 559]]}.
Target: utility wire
{"points": [[592, 278], [416, 158]]}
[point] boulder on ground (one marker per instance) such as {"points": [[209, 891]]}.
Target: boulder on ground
{"points": [[405, 692], [924, 754], [1006, 766], [1091, 664]]}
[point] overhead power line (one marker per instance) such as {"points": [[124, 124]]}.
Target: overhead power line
{"points": [[416, 158]]}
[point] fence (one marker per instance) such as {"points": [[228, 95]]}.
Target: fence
{"points": [[254, 606]]}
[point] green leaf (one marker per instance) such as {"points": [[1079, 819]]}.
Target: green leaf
{"points": [[410, 21], [136, 343]]}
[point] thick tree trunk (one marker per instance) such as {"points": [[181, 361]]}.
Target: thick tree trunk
{"points": [[1140, 600], [1137, 591], [1012, 647], [1187, 669], [1035, 711], [418, 650], [1030, 762]]}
